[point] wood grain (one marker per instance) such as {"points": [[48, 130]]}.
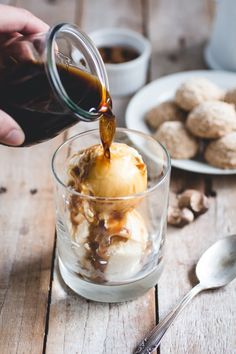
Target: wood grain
{"points": [[80, 326], [108, 13], [178, 36], [6, 2], [27, 228], [77, 325], [206, 326], [51, 12], [27, 238]]}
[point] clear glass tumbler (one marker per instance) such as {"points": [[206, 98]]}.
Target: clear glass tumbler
{"points": [[124, 260]]}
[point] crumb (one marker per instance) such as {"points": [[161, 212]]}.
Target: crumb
{"points": [[3, 190], [212, 194], [173, 57], [33, 191]]}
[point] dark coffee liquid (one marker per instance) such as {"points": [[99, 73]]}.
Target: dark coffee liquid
{"points": [[118, 54], [26, 95]]}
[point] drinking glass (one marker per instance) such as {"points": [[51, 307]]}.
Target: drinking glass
{"points": [[124, 261]]}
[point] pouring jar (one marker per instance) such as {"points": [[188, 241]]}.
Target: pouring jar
{"points": [[44, 89]]}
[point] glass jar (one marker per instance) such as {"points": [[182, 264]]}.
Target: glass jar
{"points": [[45, 87], [110, 249]]}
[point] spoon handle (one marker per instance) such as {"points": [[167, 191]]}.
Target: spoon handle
{"points": [[152, 341]]}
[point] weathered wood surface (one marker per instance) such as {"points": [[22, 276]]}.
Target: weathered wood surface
{"points": [[52, 11], [27, 238], [35, 315], [77, 325], [178, 32], [27, 235]]}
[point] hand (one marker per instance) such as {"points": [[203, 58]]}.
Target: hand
{"points": [[14, 22]]}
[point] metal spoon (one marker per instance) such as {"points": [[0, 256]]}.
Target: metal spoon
{"points": [[215, 268]]}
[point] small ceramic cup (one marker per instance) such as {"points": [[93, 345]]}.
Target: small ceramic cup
{"points": [[124, 78]]}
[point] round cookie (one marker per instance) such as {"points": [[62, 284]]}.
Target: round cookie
{"points": [[230, 96], [165, 111], [212, 119], [178, 141], [222, 152], [195, 91]]}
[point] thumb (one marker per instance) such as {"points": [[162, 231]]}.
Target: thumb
{"points": [[10, 131]]}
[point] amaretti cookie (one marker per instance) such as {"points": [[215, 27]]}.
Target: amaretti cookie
{"points": [[212, 119], [178, 141], [165, 111], [222, 152], [230, 96], [195, 91]]}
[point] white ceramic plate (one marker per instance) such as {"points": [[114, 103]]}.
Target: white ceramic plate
{"points": [[164, 88]]}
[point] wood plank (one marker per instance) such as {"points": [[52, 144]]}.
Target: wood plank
{"points": [[80, 326], [27, 234], [77, 325], [206, 326], [178, 36], [27, 229], [51, 11], [107, 13], [6, 2]]}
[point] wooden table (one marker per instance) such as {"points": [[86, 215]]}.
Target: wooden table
{"points": [[38, 312]]}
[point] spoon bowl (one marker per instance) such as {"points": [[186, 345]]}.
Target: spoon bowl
{"points": [[217, 266]]}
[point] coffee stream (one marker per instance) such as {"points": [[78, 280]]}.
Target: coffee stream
{"points": [[26, 95], [107, 127]]}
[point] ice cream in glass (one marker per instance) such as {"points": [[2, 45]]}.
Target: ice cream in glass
{"points": [[113, 238], [111, 213]]}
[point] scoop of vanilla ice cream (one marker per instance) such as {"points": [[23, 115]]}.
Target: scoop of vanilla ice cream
{"points": [[125, 253], [93, 174], [126, 258]]}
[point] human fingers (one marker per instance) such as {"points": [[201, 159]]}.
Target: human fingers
{"points": [[13, 19], [10, 131]]}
